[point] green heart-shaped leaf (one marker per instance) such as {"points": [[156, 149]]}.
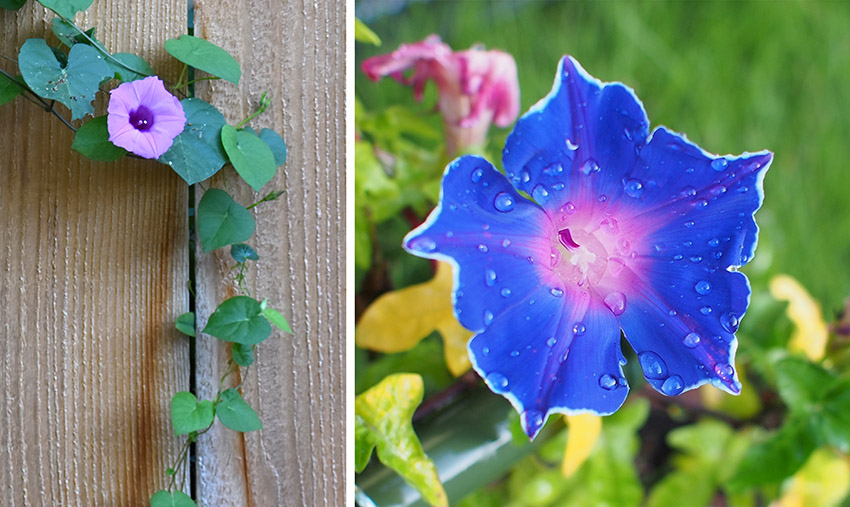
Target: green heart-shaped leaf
{"points": [[234, 413], [67, 8], [9, 89], [277, 319], [239, 319], [206, 56], [250, 156], [276, 144], [243, 355], [74, 84], [92, 140], [188, 415], [186, 324], [197, 153], [222, 221], [164, 498]]}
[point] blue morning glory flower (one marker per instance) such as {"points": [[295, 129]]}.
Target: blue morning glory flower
{"points": [[624, 230]]}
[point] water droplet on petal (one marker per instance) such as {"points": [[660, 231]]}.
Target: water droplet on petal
{"points": [[653, 366], [590, 166], [691, 340], [729, 321], [555, 291], [610, 225], [571, 145], [689, 223], [514, 353], [553, 169], [532, 420], [483, 248], [579, 329], [506, 292], [551, 341], [568, 208], [673, 385], [713, 242], [608, 382], [489, 277], [705, 310], [540, 194], [476, 175], [616, 302], [525, 176], [688, 192], [696, 259], [497, 382], [702, 287], [701, 203], [423, 244], [506, 242], [485, 351], [719, 164], [488, 317], [724, 371], [633, 188], [504, 202]]}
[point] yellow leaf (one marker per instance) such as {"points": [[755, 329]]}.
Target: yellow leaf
{"points": [[584, 430], [398, 320], [810, 333], [823, 480], [382, 420]]}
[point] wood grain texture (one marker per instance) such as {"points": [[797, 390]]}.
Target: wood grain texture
{"points": [[93, 270], [295, 51]]}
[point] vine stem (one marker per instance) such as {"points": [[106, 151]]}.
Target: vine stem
{"points": [[264, 104]]}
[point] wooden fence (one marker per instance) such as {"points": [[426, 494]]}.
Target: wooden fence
{"points": [[95, 264]]}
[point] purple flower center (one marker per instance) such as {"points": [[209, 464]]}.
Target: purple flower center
{"points": [[141, 119]]}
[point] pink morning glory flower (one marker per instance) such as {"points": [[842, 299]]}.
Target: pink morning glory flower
{"points": [[627, 231], [476, 87], [143, 118]]}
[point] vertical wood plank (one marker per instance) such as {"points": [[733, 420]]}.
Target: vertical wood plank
{"points": [[92, 275], [295, 51]]}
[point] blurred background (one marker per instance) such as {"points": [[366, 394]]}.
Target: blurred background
{"points": [[733, 76]]}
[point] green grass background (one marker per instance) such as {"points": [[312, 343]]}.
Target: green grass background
{"points": [[733, 76]]}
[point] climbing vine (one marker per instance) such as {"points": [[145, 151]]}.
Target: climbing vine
{"points": [[148, 117]]}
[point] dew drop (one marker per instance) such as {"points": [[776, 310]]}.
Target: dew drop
{"points": [[497, 382], [616, 302], [485, 351], [689, 223], [633, 188], [610, 225], [488, 317], [701, 203], [602, 198], [678, 257], [504, 202], [506, 242], [579, 329], [705, 310], [551, 341], [555, 291], [702, 287], [714, 242], [590, 166], [532, 420], [553, 169], [476, 175], [423, 244], [525, 176], [450, 234], [540, 194], [724, 371], [653, 366], [506, 292], [729, 321], [483, 248], [489, 277], [672, 313], [696, 259], [673, 385], [514, 353], [624, 246], [608, 382], [568, 208], [571, 145], [688, 192], [719, 164], [691, 340]]}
